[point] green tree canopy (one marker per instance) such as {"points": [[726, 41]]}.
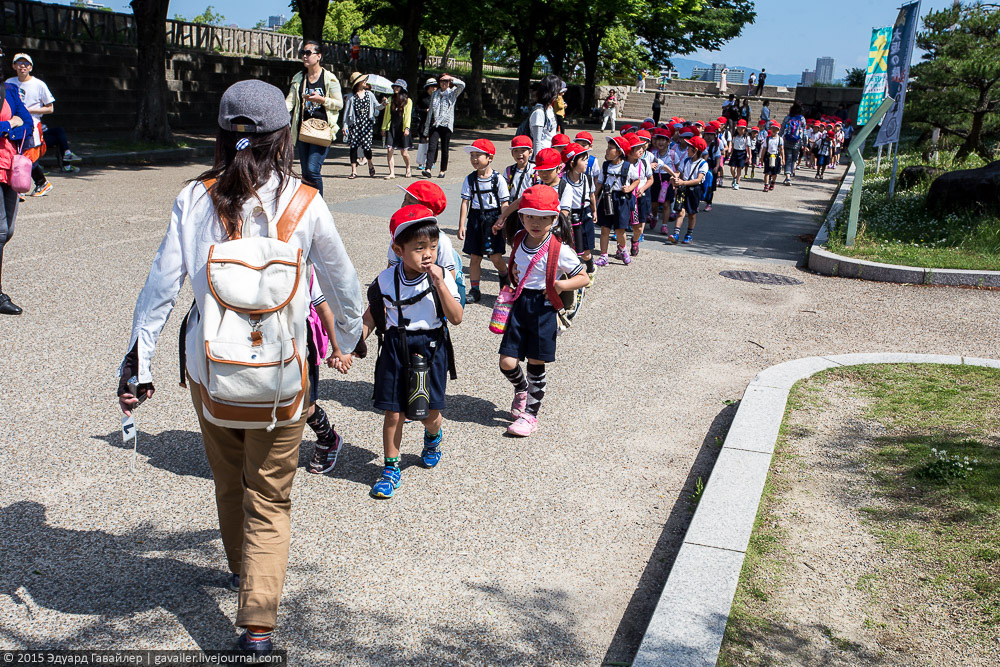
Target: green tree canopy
{"points": [[956, 87]]}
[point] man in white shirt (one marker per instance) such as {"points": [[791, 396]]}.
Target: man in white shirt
{"points": [[40, 101]]}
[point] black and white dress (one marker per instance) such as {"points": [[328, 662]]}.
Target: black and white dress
{"points": [[361, 130]]}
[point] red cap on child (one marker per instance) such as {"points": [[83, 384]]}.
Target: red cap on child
{"points": [[698, 144], [742, 122], [623, 144], [643, 134], [427, 193], [547, 158], [482, 146], [572, 151], [561, 141], [407, 216], [521, 141], [540, 200], [584, 136]]}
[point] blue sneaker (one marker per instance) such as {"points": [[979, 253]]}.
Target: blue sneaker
{"points": [[431, 455], [687, 239], [387, 484]]}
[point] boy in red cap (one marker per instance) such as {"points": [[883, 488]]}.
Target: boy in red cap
{"points": [[688, 186], [824, 152], [483, 195], [520, 175], [771, 151], [617, 182], [411, 325]]}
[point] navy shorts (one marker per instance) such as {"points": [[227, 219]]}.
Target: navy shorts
{"points": [[645, 205], [624, 213], [738, 159], [583, 233], [479, 237], [392, 376], [768, 169], [531, 328], [822, 160], [692, 198]]}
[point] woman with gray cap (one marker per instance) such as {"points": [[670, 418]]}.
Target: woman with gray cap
{"points": [[314, 93], [359, 117], [248, 197], [441, 121], [396, 126]]}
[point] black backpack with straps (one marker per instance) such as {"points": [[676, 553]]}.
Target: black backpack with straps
{"points": [[376, 307]]}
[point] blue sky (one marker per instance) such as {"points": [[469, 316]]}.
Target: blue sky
{"points": [[788, 36]]}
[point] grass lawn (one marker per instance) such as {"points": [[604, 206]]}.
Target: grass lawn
{"points": [[904, 232], [935, 472]]}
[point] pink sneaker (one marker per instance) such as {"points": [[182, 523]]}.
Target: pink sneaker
{"points": [[517, 406], [524, 426]]}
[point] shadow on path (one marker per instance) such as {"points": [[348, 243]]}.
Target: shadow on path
{"points": [[639, 611], [92, 572]]}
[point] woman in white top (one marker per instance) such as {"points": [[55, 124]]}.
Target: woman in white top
{"points": [[441, 121], [243, 195], [542, 121]]}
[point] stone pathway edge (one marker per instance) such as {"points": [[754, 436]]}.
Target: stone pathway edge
{"points": [[690, 618], [824, 262]]}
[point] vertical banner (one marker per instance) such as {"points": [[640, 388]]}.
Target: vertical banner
{"points": [[904, 32], [878, 72]]}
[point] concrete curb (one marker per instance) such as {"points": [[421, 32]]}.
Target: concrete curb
{"points": [[830, 264], [690, 618], [142, 157]]}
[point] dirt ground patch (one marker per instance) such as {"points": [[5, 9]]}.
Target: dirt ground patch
{"points": [[840, 570]]}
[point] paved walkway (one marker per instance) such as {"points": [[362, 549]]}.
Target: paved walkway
{"points": [[546, 550]]}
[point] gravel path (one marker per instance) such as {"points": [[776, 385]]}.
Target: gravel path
{"points": [[546, 550]]}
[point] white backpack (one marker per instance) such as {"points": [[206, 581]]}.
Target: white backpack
{"points": [[253, 326]]}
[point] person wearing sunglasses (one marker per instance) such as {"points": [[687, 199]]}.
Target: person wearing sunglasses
{"points": [[15, 120], [314, 93]]}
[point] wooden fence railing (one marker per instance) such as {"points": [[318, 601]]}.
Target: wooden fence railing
{"points": [[48, 21]]}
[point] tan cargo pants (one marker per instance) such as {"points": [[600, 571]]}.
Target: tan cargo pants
{"points": [[253, 472]]}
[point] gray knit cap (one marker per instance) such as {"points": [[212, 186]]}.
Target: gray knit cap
{"points": [[258, 106]]}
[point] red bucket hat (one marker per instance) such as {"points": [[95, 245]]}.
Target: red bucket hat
{"points": [[573, 150], [584, 136], [482, 146], [521, 141], [561, 141], [623, 144]]}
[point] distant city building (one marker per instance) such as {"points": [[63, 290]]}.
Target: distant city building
{"points": [[808, 78], [275, 21], [90, 4], [824, 70], [714, 73]]}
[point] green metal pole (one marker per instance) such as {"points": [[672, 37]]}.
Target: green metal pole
{"points": [[854, 150]]}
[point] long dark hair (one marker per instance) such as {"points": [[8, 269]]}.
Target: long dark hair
{"points": [[239, 174], [399, 100], [548, 89], [562, 228]]}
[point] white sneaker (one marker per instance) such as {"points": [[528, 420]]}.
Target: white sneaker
{"points": [[736, 186], [70, 156]]}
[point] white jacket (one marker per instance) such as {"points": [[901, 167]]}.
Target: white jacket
{"points": [[194, 228]]}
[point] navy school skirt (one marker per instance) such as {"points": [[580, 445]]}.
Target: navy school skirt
{"points": [[531, 328]]}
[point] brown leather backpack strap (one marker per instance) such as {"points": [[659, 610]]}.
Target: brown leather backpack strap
{"points": [[296, 208], [208, 183]]}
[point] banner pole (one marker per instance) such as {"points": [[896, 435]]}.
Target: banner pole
{"points": [[854, 150], [878, 161]]}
